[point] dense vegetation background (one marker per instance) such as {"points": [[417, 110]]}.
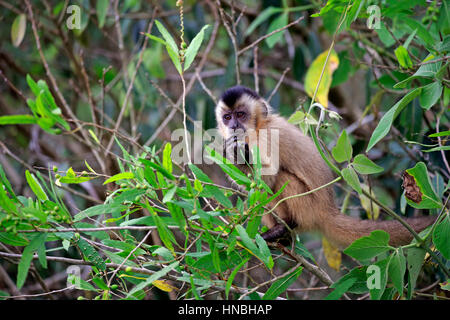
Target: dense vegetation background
{"points": [[92, 205]]}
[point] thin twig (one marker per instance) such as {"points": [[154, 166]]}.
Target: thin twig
{"points": [[131, 84], [233, 41], [255, 69], [268, 35], [278, 84]]}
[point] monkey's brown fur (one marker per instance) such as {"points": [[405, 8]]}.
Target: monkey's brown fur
{"points": [[302, 165]]}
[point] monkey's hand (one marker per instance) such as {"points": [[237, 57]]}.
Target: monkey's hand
{"points": [[236, 150]]}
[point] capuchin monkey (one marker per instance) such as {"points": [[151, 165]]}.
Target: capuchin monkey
{"points": [[241, 110]]}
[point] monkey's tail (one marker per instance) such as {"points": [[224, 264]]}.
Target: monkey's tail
{"points": [[342, 230]]}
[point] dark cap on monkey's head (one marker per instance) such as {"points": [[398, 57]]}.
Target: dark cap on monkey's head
{"points": [[233, 94]]}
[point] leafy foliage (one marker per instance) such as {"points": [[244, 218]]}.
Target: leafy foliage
{"points": [[89, 174]]}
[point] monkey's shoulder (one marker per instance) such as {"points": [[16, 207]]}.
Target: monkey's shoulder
{"points": [[298, 153]]}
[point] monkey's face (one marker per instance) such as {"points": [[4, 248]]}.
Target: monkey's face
{"points": [[237, 111], [236, 118]]}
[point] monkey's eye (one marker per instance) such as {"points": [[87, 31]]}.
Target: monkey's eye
{"points": [[227, 117], [240, 114]]}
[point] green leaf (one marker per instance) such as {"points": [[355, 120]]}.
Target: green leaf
{"points": [[170, 45], [198, 185], [414, 260], [6, 183], [35, 186], [120, 176], [233, 275], [246, 241], [341, 289], [12, 239], [364, 165], [281, 285], [79, 283], [359, 274], [155, 38], [42, 255], [351, 178], [441, 236], [370, 246], [74, 179], [167, 160], [261, 17], [98, 210], [218, 195], [101, 7], [445, 148], [429, 199], [343, 150], [27, 257], [158, 168], [92, 133], [18, 119], [165, 234], [430, 94], [397, 269], [169, 194], [403, 57], [231, 170], [440, 134], [153, 277], [5, 202], [175, 59], [426, 70], [199, 173], [386, 121], [377, 293], [193, 48], [422, 32], [264, 252], [90, 254], [170, 42], [279, 22], [18, 29]]}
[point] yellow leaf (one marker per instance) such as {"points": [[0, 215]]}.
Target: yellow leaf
{"points": [[372, 209], [162, 285], [313, 76], [332, 254], [18, 29]]}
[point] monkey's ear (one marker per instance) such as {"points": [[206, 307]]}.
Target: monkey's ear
{"points": [[265, 108]]}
